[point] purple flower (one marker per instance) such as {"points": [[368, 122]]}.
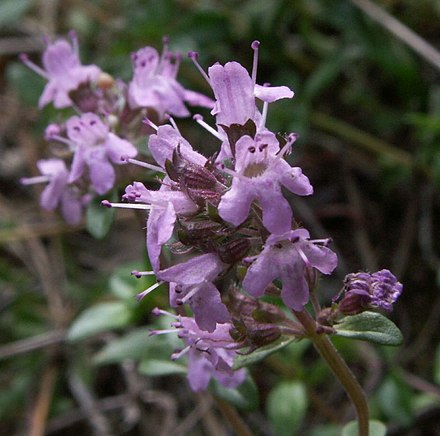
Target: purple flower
{"points": [[57, 191], [63, 70], [97, 148], [191, 282], [235, 92], [209, 354], [163, 144], [165, 205], [260, 172], [288, 257], [362, 291], [154, 84]]}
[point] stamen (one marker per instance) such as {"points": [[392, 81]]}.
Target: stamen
{"points": [[68, 142], [255, 46], [147, 291], [173, 123], [156, 311], [193, 55], [199, 120], [150, 123], [162, 332], [143, 164], [190, 294], [165, 49], [74, 38], [25, 59], [303, 257], [34, 180], [264, 114], [139, 274], [324, 242], [286, 148], [181, 353], [107, 203]]}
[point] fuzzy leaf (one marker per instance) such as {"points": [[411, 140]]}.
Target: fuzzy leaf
{"points": [[376, 428], [248, 359], [370, 326], [156, 367], [100, 318], [286, 407]]}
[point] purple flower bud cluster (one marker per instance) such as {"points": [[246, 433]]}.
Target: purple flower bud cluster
{"points": [[363, 291], [108, 120]]}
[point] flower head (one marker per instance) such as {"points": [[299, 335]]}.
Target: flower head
{"points": [[191, 282], [97, 148], [210, 354], [63, 70], [57, 191], [289, 257], [154, 84], [260, 172]]}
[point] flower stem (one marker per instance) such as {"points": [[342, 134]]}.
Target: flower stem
{"points": [[329, 353]]}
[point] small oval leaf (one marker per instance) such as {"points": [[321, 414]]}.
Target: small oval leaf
{"points": [[242, 360], [286, 407], [371, 327], [376, 428], [99, 318]]}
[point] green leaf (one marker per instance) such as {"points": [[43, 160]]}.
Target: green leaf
{"points": [[156, 367], [131, 346], [286, 407], [99, 219], [243, 397], [376, 428], [371, 327], [99, 318], [242, 360]]}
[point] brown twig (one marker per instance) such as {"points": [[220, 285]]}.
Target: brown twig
{"points": [[30, 344], [38, 419]]}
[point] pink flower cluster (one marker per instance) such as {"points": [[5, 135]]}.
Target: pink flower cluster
{"points": [[108, 119]]}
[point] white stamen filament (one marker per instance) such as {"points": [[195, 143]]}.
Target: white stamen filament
{"points": [[181, 353], [264, 114], [68, 142], [173, 123], [126, 205], [190, 294], [303, 256], [147, 291], [74, 38], [163, 332], [34, 180], [193, 56], [145, 165], [34, 67], [150, 123], [199, 120], [255, 45], [142, 273]]}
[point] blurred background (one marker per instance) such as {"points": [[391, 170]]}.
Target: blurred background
{"points": [[75, 357]]}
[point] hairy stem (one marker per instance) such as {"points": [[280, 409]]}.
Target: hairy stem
{"points": [[329, 353]]}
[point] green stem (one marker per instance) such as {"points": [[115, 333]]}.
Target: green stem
{"points": [[329, 353]]}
